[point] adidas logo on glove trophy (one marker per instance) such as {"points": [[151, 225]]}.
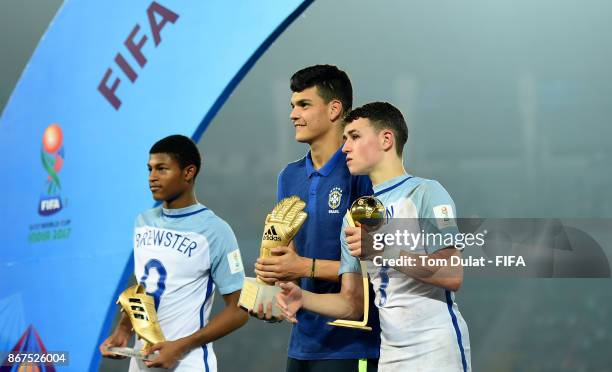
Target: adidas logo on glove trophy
{"points": [[140, 308], [281, 226]]}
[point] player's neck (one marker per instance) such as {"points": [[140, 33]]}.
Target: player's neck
{"points": [[183, 200], [324, 148], [389, 168]]}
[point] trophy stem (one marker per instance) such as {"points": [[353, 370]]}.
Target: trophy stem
{"points": [[145, 346]]}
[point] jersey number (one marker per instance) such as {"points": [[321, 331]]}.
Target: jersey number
{"points": [[161, 282]]}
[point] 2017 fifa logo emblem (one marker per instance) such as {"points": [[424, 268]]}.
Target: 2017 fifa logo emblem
{"points": [[445, 213], [52, 157]]}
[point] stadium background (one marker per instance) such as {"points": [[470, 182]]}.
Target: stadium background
{"points": [[508, 104]]}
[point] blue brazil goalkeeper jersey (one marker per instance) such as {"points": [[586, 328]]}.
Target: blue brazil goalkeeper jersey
{"points": [[328, 193], [181, 256]]}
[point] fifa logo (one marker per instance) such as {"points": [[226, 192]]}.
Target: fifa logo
{"points": [[52, 157]]}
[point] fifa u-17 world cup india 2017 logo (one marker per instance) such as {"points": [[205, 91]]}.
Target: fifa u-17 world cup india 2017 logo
{"points": [[52, 157]]}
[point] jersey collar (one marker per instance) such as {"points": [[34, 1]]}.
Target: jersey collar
{"points": [[328, 167], [183, 212], [390, 184]]}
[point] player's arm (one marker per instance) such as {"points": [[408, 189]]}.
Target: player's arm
{"points": [[119, 338], [348, 304], [288, 265], [229, 319], [442, 274], [325, 269]]}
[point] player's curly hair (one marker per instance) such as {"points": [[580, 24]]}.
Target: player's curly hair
{"points": [[331, 83], [382, 115], [180, 148]]}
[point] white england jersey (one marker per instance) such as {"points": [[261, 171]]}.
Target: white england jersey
{"points": [[421, 326], [180, 256]]}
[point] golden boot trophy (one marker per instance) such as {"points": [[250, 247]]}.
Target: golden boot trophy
{"points": [[366, 210], [140, 309], [281, 226]]}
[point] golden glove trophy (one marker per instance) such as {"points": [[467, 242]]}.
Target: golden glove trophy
{"points": [[282, 224], [140, 308], [366, 210]]}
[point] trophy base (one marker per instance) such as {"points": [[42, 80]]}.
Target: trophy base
{"points": [[358, 324], [255, 293], [350, 324], [132, 353]]}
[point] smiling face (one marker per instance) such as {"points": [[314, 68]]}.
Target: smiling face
{"points": [[310, 115], [363, 146], [167, 180]]}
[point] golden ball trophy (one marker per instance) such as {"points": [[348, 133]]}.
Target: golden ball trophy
{"points": [[281, 226], [140, 308], [368, 211]]}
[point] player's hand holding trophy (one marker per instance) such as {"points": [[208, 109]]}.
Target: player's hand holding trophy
{"points": [[140, 309], [281, 226]]}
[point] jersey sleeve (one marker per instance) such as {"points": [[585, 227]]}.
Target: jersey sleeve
{"points": [[226, 263], [348, 263], [438, 217]]}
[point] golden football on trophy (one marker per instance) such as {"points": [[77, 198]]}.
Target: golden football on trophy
{"points": [[369, 211]]}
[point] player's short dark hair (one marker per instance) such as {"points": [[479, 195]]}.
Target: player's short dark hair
{"points": [[180, 148], [383, 115], [331, 83]]}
